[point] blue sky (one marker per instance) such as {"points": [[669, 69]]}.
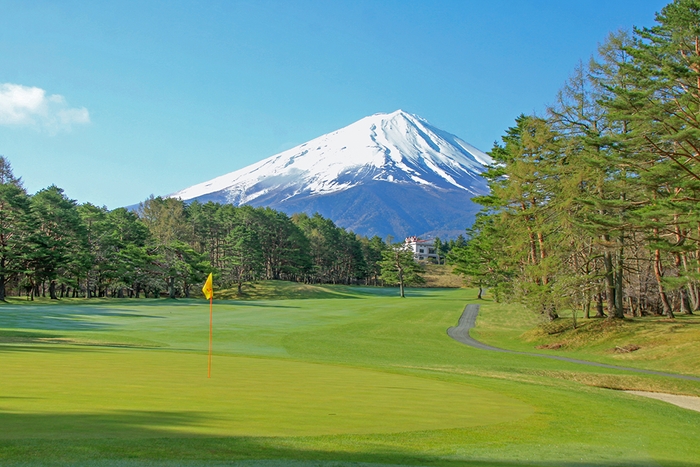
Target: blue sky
{"points": [[114, 101]]}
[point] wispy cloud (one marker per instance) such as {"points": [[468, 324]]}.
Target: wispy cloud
{"points": [[31, 106]]}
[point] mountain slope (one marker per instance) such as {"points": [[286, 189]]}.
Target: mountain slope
{"points": [[384, 174]]}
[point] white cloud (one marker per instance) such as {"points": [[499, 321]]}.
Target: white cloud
{"points": [[30, 106]]}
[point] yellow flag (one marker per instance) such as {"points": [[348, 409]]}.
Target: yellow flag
{"points": [[208, 289]]}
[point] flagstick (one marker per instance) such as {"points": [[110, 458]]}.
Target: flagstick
{"points": [[211, 317]]}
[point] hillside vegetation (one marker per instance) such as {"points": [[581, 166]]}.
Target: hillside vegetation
{"points": [[653, 342], [436, 276], [441, 275]]}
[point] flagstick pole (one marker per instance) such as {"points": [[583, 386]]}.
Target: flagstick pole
{"points": [[211, 317]]}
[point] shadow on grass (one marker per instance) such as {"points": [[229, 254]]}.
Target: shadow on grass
{"points": [[246, 452], [203, 304], [41, 349], [46, 342], [77, 427], [266, 291], [131, 438], [63, 318]]}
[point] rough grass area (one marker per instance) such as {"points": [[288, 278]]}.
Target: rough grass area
{"points": [[436, 276], [282, 290], [359, 377], [441, 276], [653, 343]]}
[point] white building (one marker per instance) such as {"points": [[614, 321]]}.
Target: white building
{"points": [[423, 250]]}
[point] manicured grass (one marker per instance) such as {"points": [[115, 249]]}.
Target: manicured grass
{"points": [[356, 376]]}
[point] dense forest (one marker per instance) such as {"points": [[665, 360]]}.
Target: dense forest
{"points": [[52, 246], [595, 205]]}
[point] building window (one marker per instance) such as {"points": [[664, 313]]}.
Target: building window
{"points": [[421, 251]]}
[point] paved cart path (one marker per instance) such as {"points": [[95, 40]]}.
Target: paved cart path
{"points": [[460, 333]]}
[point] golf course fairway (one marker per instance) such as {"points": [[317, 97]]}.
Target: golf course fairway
{"points": [[361, 378]]}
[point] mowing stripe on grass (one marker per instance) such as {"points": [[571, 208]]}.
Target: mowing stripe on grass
{"points": [[467, 321]]}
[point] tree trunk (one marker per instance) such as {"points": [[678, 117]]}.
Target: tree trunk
{"points": [[658, 274], [2, 287], [619, 306], [171, 292], [478, 297], [685, 304], [609, 284], [694, 297], [599, 306], [633, 308], [543, 255], [681, 263], [691, 287], [533, 248]]}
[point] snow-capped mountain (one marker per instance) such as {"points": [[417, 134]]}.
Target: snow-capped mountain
{"points": [[384, 174]]}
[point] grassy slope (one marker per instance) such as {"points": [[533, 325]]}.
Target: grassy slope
{"points": [[436, 276], [282, 290], [665, 345], [440, 275], [358, 375]]}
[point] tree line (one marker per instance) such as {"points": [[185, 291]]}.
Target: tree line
{"points": [[52, 246], [595, 205]]}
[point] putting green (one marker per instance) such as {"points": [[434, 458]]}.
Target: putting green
{"points": [[63, 391]]}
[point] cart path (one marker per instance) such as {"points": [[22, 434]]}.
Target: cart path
{"points": [[460, 333]]}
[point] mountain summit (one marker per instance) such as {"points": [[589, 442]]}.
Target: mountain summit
{"points": [[386, 174]]}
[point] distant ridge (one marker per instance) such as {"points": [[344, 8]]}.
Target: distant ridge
{"points": [[386, 174]]}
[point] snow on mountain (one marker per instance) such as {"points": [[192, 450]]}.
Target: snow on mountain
{"points": [[398, 148]]}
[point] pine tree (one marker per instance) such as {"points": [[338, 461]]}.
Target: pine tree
{"points": [[372, 251], [660, 103], [14, 212], [399, 268], [483, 261], [524, 187], [596, 190], [243, 256], [57, 238]]}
